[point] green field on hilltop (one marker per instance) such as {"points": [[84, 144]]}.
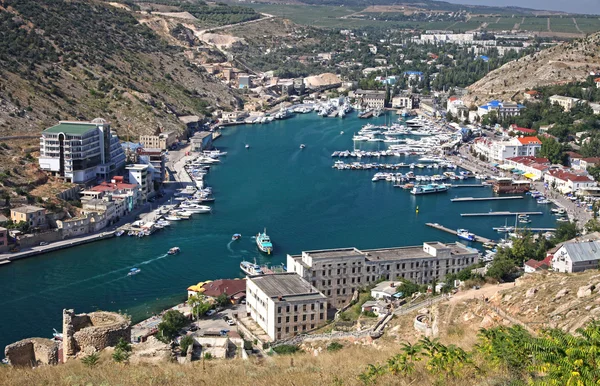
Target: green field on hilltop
{"points": [[588, 24]]}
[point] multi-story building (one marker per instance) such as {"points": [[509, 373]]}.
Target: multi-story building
{"points": [[163, 141], [503, 149], [567, 182], [155, 159], [104, 208], [141, 176], [116, 189], [503, 109], [567, 103], [371, 98], [202, 140], [33, 215], [577, 256], [81, 152], [403, 101], [284, 304], [339, 272]]}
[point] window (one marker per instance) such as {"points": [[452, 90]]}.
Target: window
{"points": [[287, 329], [295, 328], [304, 318], [312, 307], [312, 317], [304, 307], [287, 319], [295, 308], [279, 320], [295, 318], [279, 310], [321, 316]]}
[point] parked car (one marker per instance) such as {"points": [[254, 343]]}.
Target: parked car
{"points": [[193, 327], [210, 312], [43, 243], [230, 322]]}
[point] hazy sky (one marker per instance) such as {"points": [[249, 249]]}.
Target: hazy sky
{"points": [[574, 6]]}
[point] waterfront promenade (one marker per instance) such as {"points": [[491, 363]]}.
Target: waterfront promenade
{"points": [[176, 180]]}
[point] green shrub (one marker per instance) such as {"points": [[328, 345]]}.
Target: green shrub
{"points": [[335, 346], [286, 349], [186, 342], [91, 360]]}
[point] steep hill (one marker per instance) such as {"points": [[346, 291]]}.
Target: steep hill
{"points": [[566, 62], [80, 59]]}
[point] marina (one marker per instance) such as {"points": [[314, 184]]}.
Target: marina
{"points": [[470, 199], [303, 203]]}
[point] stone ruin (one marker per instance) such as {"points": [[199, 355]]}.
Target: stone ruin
{"points": [[93, 332], [32, 352]]}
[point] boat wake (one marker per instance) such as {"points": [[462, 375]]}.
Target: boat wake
{"points": [[85, 280], [229, 247]]}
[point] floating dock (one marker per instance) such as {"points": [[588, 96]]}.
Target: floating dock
{"points": [[500, 214], [532, 229], [469, 186], [468, 199], [478, 239]]}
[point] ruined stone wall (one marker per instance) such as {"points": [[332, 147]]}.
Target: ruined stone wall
{"points": [[93, 332], [32, 352]]}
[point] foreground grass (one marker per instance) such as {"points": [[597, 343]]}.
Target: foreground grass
{"points": [[328, 368]]}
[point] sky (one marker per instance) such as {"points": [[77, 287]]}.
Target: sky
{"points": [[572, 6]]}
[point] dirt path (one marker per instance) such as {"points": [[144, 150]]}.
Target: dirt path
{"points": [[518, 25], [577, 26], [548, 22]]}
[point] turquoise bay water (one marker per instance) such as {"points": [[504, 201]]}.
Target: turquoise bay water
{"points": [[294, 193]]}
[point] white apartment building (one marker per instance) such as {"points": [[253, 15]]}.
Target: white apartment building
{"points": [[514, 147], [284, 304], [566, 182], [577, 256], [139, 174], [81, 151], [402, 102], [339, 272], [565, 102]]}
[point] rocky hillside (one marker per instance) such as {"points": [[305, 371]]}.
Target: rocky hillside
{"points": [[566, 62], [81, 59]]}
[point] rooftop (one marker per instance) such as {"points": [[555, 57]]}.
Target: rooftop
{"points": [[529, 141], [27, 209], [77, 128], [112, 186], [334, 253], [136, 167], [284, 284], [583, 251], [224, 286]]}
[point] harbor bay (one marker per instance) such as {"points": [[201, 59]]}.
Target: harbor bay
{"points": [[294, 193]]}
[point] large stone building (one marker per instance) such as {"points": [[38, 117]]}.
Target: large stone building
{"points": [[371, 98], [139, 175], [163, 141], [155, 158], [81, 152], [284, 304], [567, 103], [33, 215], [339, 272]]}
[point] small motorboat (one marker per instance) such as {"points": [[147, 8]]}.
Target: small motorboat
{"points": [[465, 235], [172, 218], [524, 220], [57, 335], [120, 233], [562, 219], [247, 146], [236, 236], [133, 271], [174, 251], [302, 146], [341, 133]]}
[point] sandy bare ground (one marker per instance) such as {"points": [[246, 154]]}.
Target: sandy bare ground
{"points": [[486, 291]]}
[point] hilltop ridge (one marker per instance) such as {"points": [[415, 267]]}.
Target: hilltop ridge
{"points": [[79, 60], [566, 62]]}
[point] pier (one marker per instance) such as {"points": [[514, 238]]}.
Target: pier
{"points": [[468, 199], [500, 214], [532, 229], [469, 186], [478, 239]]}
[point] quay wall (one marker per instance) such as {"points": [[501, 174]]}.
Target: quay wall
{"points": [[32, 240], [32, 352]]}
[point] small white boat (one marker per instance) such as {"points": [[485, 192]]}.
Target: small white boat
{"points": [[174, 251], [133, 271], [341, 133], [247, 146], [302, 146], [120, 233], [172, 218]]}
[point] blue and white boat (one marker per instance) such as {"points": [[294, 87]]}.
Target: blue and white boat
{"points": [[465, 234], [430, 188], [236, 236], [263, 242], [134, 271]]}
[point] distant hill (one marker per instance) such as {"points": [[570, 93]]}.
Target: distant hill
{"points": [[567, 62], [81, 59]]}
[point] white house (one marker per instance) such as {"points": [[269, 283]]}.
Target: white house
{"points": [[567, 182], [577, 256], [385, 290], [503, 149]]}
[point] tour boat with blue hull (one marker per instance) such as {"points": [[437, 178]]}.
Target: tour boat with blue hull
{"points": [[263, 242], [465, 234], [430, 188]]}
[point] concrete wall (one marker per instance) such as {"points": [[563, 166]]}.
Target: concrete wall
{"points": [[31, 240], [93, 332], [32, 352]]}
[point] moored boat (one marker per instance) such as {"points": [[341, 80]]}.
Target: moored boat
{"points": [[120, 233], [250, 268], [465, 234], [430, 188]]}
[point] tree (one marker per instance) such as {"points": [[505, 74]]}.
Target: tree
{"points": [[172, 321], [223, 300], [565, 231], [199, 305], [552, 150], [502, 268], [186, 342]]}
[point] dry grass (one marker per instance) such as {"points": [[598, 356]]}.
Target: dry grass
{"points": [[339, 368]]}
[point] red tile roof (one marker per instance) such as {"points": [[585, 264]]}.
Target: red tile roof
{"points": [[530, 160], [539, 264], [597, 80], [591, 160], [224, 286], [566, 176], [524, 130], [531, 92], [572, 154], [529, 140]]}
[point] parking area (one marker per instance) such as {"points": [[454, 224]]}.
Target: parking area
{"points": [[216, 321]]}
